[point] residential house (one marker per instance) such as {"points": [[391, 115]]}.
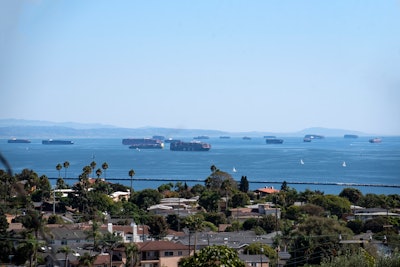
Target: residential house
{"points": [[255, 260], [129, 233], [262, 192], [161, 253]]}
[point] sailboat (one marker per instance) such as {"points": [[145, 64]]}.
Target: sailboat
{"points": [[301, 162], [234, 169], [344, 164]]}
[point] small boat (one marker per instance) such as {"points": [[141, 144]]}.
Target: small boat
{"points": [[234, 169], [224, 137], [344, 164], [307, 139], [301, 162], [246, 138]]}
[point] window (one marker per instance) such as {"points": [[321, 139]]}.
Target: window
{"points": [[168, 253], [180, 253]]}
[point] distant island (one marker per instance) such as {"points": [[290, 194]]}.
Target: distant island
{"points": [[14, 128]]}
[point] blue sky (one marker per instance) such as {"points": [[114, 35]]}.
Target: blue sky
{"points": [[276, 66]]}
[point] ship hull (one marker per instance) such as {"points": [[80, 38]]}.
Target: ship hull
{"points": [[189, 146], [143, 143], [274, 141], [57, 142], [18, 141]]}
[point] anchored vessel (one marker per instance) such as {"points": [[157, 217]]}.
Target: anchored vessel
{"points": [[274, 141], [375, 140], [15, 140], [201, 137], [350, 136], [143, 143], [189, 146], [57, 142]]}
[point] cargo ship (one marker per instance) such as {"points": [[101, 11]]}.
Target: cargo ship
{"points": [[350, 136], [170, 140], [375, 140], [143, 143], [15, 140], [189, 146], [274, 141], [57, 142], [201, 137]]}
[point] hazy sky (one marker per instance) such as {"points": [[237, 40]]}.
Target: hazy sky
{"points": [[263, 65]]}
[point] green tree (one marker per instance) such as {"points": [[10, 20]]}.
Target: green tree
{"points": [[66, 250], [87, 260], [158, 226], [259, 248], [194, 223], [315, 239], [146, 198], [93, 166], [104, 166], [110, 241], [131, 173], [213, 256], [94, 232], [131, 251], [240, 199], [209, 200], [58, 168], [98, 173], [173, 222], [244, 184], [352, 194], [66, 166], [334, 204]]}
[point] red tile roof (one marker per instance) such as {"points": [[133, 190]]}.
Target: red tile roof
{"points": [[267, 190]]}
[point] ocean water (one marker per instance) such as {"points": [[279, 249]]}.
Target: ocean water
{"points": [[294, 161]]}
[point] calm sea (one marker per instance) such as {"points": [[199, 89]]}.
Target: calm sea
{"points": [[329, 160]]}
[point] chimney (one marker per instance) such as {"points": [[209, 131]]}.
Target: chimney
{"points": [[110, 228]]}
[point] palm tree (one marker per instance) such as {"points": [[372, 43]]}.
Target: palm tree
{"points": [[66, 165], [98, 173], [66, 250], [111, 241], [93, 166], [195, 224], [94, 232], [58, 168], [104, 166], [131, 251], [87, 260], [131, 174]]}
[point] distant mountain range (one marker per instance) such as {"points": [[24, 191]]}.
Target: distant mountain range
{"points": [[10, 128]]}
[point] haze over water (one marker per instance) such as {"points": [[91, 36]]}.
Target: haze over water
{"points": [[330, 160]]}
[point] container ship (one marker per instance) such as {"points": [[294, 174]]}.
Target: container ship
{"points": [[57, 142], [143, 143], [15, 140], [274, 141], [350, 136], [189, 146]]}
